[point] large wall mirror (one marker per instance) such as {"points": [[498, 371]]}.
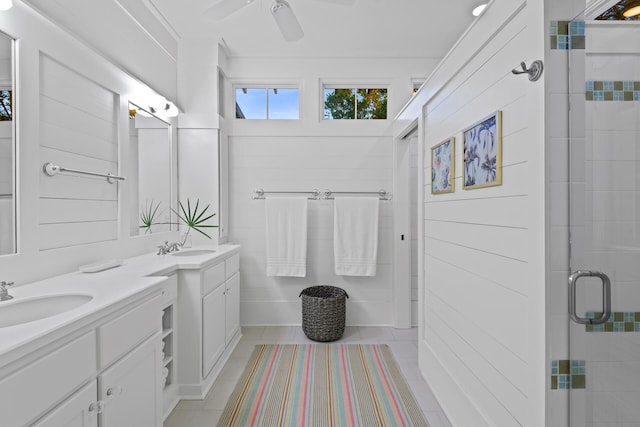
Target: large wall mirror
{"points": [[150, 139], [7, 149]]}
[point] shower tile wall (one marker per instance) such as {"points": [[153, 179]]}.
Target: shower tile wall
{"points": [[606, 177], [564, 53]]}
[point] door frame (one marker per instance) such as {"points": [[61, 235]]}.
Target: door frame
{"points": [[402, 228]]}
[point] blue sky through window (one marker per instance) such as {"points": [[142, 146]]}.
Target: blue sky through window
{"points": [[252, 103]]}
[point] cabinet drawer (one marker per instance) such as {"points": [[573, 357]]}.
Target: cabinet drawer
{"points": [[124, 332], [30, 391], [212, 278], [232, 265], [169, 289]]}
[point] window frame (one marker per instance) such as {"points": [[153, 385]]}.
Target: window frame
{"points": [[266, 86], [355, 85]]}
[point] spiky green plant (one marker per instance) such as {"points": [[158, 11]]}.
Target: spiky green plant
{"points": [[194, 219], [148, 215]]}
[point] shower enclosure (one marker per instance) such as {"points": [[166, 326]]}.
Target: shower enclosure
{"points": [[602, 371]]}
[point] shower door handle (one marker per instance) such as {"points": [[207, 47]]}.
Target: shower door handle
{"points": [[606, 297]]}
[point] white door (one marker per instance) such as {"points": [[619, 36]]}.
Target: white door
{"points": [[132, 388], [75, 411], [213, 329], [232, 306]]}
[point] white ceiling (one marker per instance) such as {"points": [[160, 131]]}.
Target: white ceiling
{"points": [[370, 28]]}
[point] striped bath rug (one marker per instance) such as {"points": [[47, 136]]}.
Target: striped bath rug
{"points": [[322, 385]]}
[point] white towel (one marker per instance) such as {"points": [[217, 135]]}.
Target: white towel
{"points": [[355, 235], [286, 236]]}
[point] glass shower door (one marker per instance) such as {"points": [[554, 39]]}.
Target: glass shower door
{"points": [[604, 359]]}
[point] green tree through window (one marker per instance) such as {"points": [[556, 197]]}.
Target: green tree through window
{"points": [[350, 104]]}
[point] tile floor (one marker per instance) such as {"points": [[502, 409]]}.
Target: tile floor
{"points": [[403, 343]]}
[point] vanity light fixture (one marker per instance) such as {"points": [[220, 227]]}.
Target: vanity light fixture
{"points": [[171, 110], [477, 11], [6, 4], [632, 10]]}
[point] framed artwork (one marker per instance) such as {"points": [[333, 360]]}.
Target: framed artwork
{"points": [[482, 153], [442, 167]]}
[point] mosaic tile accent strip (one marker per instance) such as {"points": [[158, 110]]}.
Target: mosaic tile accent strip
{"points": [[566, 374], [612, 90], [567, 35], [619, 321]]}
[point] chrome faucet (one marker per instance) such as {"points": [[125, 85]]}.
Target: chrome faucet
{"points": [[168, 247], [4, 293]]}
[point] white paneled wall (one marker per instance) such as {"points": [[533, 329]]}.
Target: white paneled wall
{"points": [[339, 155], [79, 130], [72, 107], [414, 170], [302, 164], [482, 338]]}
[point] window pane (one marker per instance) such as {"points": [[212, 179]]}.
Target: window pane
{"points": [[372, 103], [251, 103], [283, 104], [339, 104], [5, 105]]}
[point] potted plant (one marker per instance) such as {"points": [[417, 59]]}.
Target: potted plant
{"points": [[194, 219], [148, 215]]}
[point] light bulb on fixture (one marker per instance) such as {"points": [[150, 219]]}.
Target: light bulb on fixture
{"points": [[477, 11], [6, 4], [634, 10], [171, 110]]}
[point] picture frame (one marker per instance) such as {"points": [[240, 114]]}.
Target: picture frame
{"points": [[482, 153], [443, 167]]}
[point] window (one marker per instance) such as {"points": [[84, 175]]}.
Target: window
{"points": [[355, 103], [267, 103], [416, 83], [5, 105]]}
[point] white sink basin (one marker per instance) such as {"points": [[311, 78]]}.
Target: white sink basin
{"points": [[193, 252], [17, 311]]}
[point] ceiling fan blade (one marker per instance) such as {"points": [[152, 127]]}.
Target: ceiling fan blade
{"points": [[286, 21], [223, 8], [342, 2]]}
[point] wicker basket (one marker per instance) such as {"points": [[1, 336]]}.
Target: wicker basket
{"points": [[323, 312]]}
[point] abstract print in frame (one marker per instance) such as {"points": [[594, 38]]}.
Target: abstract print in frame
{"points": [[482, 152], [442, 167]]}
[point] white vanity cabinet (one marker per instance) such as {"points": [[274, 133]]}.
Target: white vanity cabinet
{"points": [[104, 372], [209, 322], [131, 388]]}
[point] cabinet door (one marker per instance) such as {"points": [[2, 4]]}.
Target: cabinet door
{"points": [[232, 306], [132, 388], [213, 330], [74, 412]]}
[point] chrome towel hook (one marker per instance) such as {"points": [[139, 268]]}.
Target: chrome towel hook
{"points": [[534, 72]]}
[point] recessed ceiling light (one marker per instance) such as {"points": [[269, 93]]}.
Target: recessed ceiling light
{"points": [[477, 11], [6, 4]]}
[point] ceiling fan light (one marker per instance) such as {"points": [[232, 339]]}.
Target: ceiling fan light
{"points": [[223, 8], [632, 11], [286, 21]]}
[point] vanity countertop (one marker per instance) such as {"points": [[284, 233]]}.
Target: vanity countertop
{"points": [[136, 277]]}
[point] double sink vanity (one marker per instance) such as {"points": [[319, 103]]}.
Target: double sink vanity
{"points": [[119, 347]]}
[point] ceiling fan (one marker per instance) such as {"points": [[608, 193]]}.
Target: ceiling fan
{"points": [[280, 9]]}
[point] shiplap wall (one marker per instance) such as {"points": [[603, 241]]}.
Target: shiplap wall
{"points": [[78, 128], [414, 170], [305, 163], [340, 155], [73, 111], [483, 333]]}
